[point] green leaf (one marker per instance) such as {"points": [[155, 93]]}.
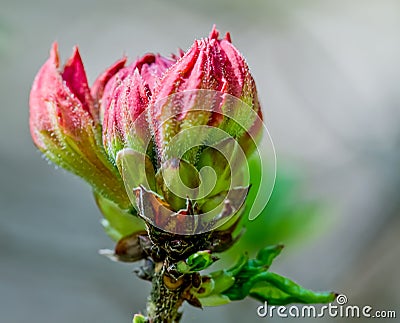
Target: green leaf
{"points": [[222, 281], [206, 288], [213, 285], [246, 268], [253, 279], [139, 318], [272, 295], [214, 300], [243, 260], [301, 294], [266, 255], [196, 262], [250, 277]]}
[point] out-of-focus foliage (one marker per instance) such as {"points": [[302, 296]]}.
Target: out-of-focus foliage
{"points": [[286, 217]]}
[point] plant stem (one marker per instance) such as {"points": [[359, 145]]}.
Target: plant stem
{"points": [[165, 301]]}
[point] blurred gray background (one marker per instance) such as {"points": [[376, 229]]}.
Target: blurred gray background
{"points": [[328, 75]]}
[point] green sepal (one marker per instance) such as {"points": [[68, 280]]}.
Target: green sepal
{"points": [[182, 178], [212, 202], [240, 116], [117, 223], [211, 157], [87, 159], [136, 170]]}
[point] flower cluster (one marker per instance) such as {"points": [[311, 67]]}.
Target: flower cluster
{"points": [[121, 135]]}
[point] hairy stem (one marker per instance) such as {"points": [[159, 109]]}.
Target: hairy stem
{"points": [[165, 298]]}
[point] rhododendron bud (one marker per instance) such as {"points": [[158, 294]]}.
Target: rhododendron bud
{"points": [[125, 98], [64, 123], [203, 116], [214, 65], [205, 112]]}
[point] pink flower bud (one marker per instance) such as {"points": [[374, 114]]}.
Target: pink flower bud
{"points": [[211, 64], [60, 101], [126, 97], [64, 123], [178, 105], [130, 99]]}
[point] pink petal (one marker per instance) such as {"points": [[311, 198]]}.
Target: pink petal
{"points": [[176, 75], [239, 68], [152, 67], [74, 76], [99, 84], [46, 82]]}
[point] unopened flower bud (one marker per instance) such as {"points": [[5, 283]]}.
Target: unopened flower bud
{"points": [[125, 98], [200, 86], [64, 123]]}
